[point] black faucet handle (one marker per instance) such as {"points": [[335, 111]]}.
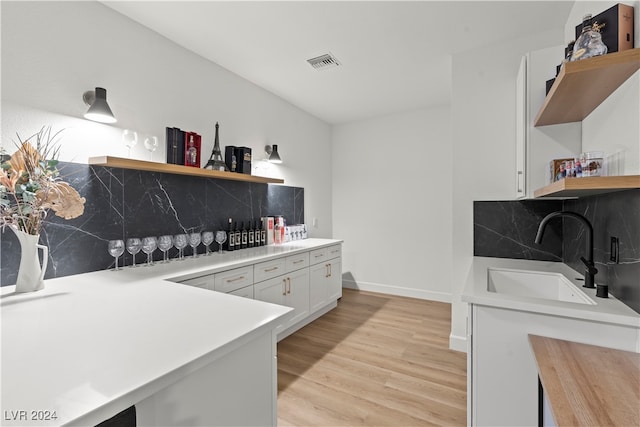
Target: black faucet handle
{"points": [[591, 267]]}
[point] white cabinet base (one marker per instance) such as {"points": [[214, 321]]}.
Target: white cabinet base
{"points": [[502, 372], [239, 389]]}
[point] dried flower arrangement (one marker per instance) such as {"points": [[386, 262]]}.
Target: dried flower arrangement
{"points": [[30, 185]]}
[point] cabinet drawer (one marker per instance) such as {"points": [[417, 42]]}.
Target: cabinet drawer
{"points": [[230, 280], [296, 262], [267, 270], [318, 255], [204, 282], [246, 292], [334, 251]]}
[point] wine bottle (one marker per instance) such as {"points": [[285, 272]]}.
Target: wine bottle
{"points": [[250, 235], [263, 233], [256, 232], [243, 232], [236, 237], [231, 241]]}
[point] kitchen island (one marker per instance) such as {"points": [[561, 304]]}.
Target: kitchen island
{"points": [[91, 345]]}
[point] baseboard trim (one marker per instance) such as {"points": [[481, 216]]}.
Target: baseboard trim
{"points": [[397, 290], [458, 343]]}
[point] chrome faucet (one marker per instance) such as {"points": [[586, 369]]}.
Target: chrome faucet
{"points": [[602, 291]]}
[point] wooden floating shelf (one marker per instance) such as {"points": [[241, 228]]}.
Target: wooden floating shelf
{"points": [[117, 162], [588, 186], [583, 85]]}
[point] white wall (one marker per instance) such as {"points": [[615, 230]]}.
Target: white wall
{"points": [[54, 51], [613, 127], [392, 203], [483, 116]]}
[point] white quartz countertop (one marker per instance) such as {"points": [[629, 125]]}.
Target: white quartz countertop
{"points": [[607, 310], [91, 345]]}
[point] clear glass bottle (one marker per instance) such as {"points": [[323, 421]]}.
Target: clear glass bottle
{"points": [[589, 42]]}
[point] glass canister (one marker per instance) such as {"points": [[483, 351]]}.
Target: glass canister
{"points": [[589, 43], [593, 161]]}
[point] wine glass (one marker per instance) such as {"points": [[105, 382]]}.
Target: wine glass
{"points": [[180, 242], [207, 239], [151, 144], [134, 244], [194, 241], [149, 245], [129, 139], [164, 244], [221, 237], [116, 249]]}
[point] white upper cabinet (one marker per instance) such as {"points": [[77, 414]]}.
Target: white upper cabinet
{"points": [[537, 146]]}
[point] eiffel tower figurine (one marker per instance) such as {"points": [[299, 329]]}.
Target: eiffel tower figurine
{"points": [[216, 162]]}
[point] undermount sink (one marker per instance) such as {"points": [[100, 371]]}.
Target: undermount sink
{"points": [[535, 284]]}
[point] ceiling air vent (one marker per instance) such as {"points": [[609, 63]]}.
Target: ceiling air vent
{"points": [[323, 62]]}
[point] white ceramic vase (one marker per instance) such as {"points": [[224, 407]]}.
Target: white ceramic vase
{"points": [[31, 273]]}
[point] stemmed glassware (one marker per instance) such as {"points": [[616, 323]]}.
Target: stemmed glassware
{"points": [[129, 139], [180, 242], [149, 245], [194, 241], [151, 144], [164, 244], [221, 237], [116, 249], [134, 244], [207, 239]]}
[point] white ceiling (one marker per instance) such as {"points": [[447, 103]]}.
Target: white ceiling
{"points": [[395, 55]]}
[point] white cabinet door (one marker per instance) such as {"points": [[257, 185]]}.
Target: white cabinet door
{"points": [[334, 281], [318, 290], [272, 290], [521, 128], [537, 146], [298, 295]]}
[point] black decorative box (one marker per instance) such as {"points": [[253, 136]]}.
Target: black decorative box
{"points": [[230, 158], [175, 146], [617, 32], [243, 157]]}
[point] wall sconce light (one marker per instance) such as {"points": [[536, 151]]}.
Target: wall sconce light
{"points": [[99, 110], [272, 151]]}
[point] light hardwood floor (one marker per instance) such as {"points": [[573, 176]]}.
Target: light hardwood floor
{"points": [[375, 360]]}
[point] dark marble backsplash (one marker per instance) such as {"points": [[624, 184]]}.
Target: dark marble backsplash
{"points": [[506, 229], [612, 215], [122, 203]]}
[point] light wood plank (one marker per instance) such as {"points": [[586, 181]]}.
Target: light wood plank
{"points": [[588, 186], [141, 165], [375, 360], [588, 385], [583, 85]]}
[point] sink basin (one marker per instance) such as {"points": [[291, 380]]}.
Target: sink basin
{"points": [[535, 284]]}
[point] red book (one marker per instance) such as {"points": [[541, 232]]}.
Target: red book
{"points": [[192, 142]]}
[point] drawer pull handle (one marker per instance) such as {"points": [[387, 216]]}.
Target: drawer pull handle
{"points": [[266, 270], [236, 279], [284, 286], [298, 261], [289, 285], [319, 255]]}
